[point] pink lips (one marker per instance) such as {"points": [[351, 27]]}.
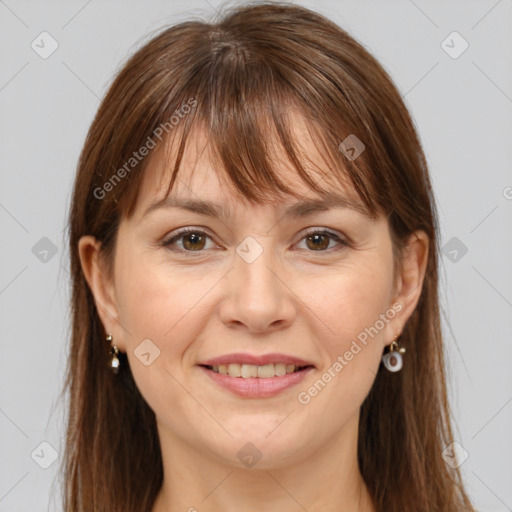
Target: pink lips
{"points": [[255, 387]]}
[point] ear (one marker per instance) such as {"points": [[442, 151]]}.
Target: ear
{"points": [[101, 285], [410, 280]]}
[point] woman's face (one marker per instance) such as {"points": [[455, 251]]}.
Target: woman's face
{"points": [[255, 288]]}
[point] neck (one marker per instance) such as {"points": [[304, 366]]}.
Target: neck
{"points": [[326, 480]]}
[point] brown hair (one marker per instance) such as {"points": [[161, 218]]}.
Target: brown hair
{"points": [[241, 77]]}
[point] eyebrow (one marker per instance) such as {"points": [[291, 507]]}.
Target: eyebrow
{"points": [[297, 210]]}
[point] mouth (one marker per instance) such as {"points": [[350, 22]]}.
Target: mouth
{"points": [[248, 371], [255, 381]]}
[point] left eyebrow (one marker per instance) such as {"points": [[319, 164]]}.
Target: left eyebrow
{"points": [[330, 200], [299, 209]]}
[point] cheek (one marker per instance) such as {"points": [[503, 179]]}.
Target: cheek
{"points": [[355, 312], [165, 308], [354, 304], [154, 301]]}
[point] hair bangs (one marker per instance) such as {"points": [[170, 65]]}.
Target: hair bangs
{"points": [[254, 129]]}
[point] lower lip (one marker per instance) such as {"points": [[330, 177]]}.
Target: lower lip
{"points": [[255, 387]]}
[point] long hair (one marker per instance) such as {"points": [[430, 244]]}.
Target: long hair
{"points": [[240, 77]]}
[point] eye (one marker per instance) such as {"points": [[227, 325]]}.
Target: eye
{"points": [[192, 240], [319, 241]]}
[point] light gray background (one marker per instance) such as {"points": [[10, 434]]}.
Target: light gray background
{"points": [[463, 108]]}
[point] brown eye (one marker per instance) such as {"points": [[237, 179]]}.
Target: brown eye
{"points": [[320, 241], [188, 241], [193, 241]]}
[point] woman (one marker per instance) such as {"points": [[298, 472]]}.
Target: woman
{"points": [[255, 311]]}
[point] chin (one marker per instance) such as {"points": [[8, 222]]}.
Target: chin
{"points": [[262, 444]]}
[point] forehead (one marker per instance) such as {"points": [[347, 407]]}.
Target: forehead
{"points": [[201, 176]]}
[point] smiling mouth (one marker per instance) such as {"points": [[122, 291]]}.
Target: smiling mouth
{"points": [[246, 371]]}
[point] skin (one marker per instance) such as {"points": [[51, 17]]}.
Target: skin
{"points": [[294, 299]]}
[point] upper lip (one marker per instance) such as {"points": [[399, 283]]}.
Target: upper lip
{"points": [[256, 360]]}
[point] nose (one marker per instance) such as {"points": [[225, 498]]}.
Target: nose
{"points": [[258, 299]]}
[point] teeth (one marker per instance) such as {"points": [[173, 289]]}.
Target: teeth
{"points": [[264, 372], [248, 370], [234, 370], [280, 369], [251, 370]]}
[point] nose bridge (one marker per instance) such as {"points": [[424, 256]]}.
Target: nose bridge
{"points": [[257, 299], [255, 259]]}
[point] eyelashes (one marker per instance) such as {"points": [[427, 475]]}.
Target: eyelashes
{"points": [[191, 237]]}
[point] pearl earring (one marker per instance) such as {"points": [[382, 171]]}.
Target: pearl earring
{"points": [[114, 351]]}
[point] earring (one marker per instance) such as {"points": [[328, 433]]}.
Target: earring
{"points": [[114, 351], [393, 360]]}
